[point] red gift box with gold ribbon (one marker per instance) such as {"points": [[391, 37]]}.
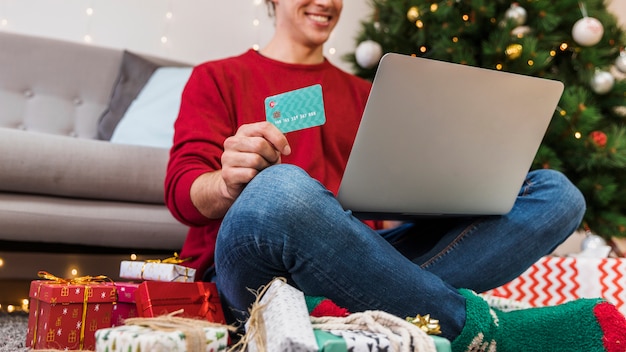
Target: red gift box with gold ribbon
{"points": [[196, 299], [65, 313]]}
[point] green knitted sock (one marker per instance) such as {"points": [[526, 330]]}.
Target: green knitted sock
{"points": [[584, 325]]}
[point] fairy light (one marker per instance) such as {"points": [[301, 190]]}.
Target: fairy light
{"points": [[455, 39], [563, 46], [332, 51], [74, 272], [423, 49], [419, 24], [531, 62], [434, 7], [133, 256], [256, 23], [499, 67], [89, 12], [465, 18], [578, 135], [169, 15], [4, 21], [1, 262]]}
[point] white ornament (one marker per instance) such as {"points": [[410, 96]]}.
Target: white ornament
{"points": [[602, 82], [587, 31], [521, 31], [592, 241], [516, 13], [620, 62], [368, 53]]}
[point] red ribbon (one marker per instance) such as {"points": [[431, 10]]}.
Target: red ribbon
{"points": [[207, 309]]}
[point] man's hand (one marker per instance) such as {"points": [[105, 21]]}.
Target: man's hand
{"points": [[253, 148]]}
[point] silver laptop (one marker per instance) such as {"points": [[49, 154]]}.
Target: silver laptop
{"points": [[439, 138]]}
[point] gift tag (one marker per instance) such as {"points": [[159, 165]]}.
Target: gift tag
{"points": [[295, 110]]}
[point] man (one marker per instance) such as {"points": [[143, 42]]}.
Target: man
{"points": [[261, 204]]}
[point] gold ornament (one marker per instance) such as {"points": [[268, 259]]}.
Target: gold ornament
{"points": [[513, 51], [428, 325], [413, 14]]}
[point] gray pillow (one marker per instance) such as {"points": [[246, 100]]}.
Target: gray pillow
{"points": [[135, 71]]}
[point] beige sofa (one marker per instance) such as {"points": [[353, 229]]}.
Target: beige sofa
{"points": [[61, 180]]}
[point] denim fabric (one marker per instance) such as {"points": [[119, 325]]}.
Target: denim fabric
{"points": [[287, 224]]}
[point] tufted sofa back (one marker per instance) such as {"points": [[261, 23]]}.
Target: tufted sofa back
{"points": [[53, 86]]}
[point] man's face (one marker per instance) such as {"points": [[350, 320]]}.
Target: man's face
{"points": [[307, 22]]}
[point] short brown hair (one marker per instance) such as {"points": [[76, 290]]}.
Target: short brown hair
{"points": [[271, 7]]}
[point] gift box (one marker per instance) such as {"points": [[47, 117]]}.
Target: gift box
{"points": [[196, 299], [126, 306], [135, 338], [359, 340], [156, 270], [286, 325], [280, 321], [65, 314], [555, 280]]}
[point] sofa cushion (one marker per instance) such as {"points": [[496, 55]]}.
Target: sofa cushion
{"points": [[135, 71], [41, 163], [36, 218], [54, 86], [150, 118]]}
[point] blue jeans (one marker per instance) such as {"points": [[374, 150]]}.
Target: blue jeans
{"points": [[287, 224]]}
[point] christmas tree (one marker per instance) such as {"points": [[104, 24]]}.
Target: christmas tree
{"points": [[576, 42]]}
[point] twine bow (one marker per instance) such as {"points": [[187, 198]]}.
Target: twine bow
{"points": [[195, 337]]}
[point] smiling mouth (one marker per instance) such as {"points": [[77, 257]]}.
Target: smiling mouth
{"points": [[319, 18]]}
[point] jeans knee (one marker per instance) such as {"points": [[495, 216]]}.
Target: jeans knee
{"points": [[276, 193], [566, 194]]}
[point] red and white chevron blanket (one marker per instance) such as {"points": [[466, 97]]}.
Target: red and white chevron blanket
{"points": [[554, 280]]}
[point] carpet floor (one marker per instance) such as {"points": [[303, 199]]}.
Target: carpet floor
{"points": [[13, 332]]}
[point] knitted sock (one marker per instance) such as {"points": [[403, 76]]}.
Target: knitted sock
{"points": [[583, 325], [323, 307]]}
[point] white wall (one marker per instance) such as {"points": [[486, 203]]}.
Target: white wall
{"points": [[198, 30]]}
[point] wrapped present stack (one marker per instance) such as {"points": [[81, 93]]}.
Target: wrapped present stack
{"points": [[166, 286]]}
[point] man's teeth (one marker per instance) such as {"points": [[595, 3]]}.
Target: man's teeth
{"points": [[318, 18]]}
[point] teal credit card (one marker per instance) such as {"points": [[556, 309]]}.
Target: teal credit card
{"points": [[296, 110]]}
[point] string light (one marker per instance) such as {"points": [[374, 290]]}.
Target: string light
{"points": [[169, 15], [256, 22], [578, 135], [89, 12], [74, 272], [133, 256], [3, 17], [1, 262]]}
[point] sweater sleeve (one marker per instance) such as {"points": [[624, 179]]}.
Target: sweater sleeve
{"points": [[202, 126]]}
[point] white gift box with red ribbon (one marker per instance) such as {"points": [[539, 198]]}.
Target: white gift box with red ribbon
{"points": [[555, 280]]}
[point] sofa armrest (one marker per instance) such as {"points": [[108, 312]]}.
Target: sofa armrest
{"points": [[40, 163]]}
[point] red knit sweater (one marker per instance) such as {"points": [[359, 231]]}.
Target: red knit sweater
{"points": [[222, 95]]}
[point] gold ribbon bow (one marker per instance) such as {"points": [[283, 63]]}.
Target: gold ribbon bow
{"points": [[82, 280], [428, 325], [171, 260]]}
